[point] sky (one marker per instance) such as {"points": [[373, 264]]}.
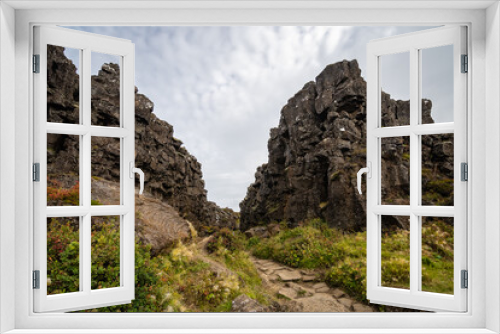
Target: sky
{"points": [[222, 88]]}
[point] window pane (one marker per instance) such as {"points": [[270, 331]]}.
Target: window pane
{"points": [[63, 85], [63, 170], [395, 171], [437, 254], [105, 252], [437, 169], [63, 255], [395, 251], [437, 84], [105, 89], [395, 86], [105, 171]]}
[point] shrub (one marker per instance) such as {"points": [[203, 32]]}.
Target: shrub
{"points": [[56, 195], [224, 238], [63, 266]]}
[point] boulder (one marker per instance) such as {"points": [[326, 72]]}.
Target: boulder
{"points": [[258, 231], [243, 303]]}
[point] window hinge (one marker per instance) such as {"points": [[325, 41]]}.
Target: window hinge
{"points": [[36, 279], [465, 64], [36, 172], [36, 63], [465, 279], [464, 171]]}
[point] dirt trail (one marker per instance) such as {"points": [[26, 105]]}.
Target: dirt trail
{"points": [[304, 288], [298, 290]]}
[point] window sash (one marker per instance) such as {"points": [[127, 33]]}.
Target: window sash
{"points": [[414, 298], [86, 297]]}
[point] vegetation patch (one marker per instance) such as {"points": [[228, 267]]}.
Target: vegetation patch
{"points": [[180, 281], [343, 256], [57, 195]]}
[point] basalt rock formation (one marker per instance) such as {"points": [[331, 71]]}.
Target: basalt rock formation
{"points": [[172, 175], [319, 146]]}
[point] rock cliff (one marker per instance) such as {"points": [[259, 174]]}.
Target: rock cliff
{"points": [[172, 175], [320, 144]]}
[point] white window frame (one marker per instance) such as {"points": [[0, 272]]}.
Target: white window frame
{"points": [[412, 44], [86, 43], [483, 21]]}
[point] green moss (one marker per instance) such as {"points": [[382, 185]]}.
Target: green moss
{"points": [[443, 187], [335, 175], [273, 208]]}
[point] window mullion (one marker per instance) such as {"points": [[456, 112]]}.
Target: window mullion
{"points": [[414, 171], [85, 244]]}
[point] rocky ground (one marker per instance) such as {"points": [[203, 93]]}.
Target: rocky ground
{"points": [[305, 290], [294, 290]]}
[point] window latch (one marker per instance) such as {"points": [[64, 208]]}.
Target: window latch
{"points": [[368, 171], [134, 170]]}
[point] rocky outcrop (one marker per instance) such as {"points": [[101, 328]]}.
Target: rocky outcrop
{"points": [[320, 144], [243, 303], [156, 223], [172, 175]]}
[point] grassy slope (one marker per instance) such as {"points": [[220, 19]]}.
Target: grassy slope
{"points": [[343, 256]]}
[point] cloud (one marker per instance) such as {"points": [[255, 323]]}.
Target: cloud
{"points": [[222, 88]]}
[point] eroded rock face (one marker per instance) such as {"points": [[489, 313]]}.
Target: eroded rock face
{"points": [[319, 146], [172, 174]]}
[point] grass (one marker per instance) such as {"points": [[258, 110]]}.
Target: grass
{"points": [[343, 256], [438, 192], [227, 248], [180, 281]]}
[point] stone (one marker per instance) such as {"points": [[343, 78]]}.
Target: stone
{"points": [[273, 229], [323, 289], [337, 293], [361, 308], [320, 302], [258, 231], [274, 266], [301, 291], [347, 302], [273, 277], [243, 303], [288, 275], [308, 278], [320, 285], [288, 293], [268, 271]]}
